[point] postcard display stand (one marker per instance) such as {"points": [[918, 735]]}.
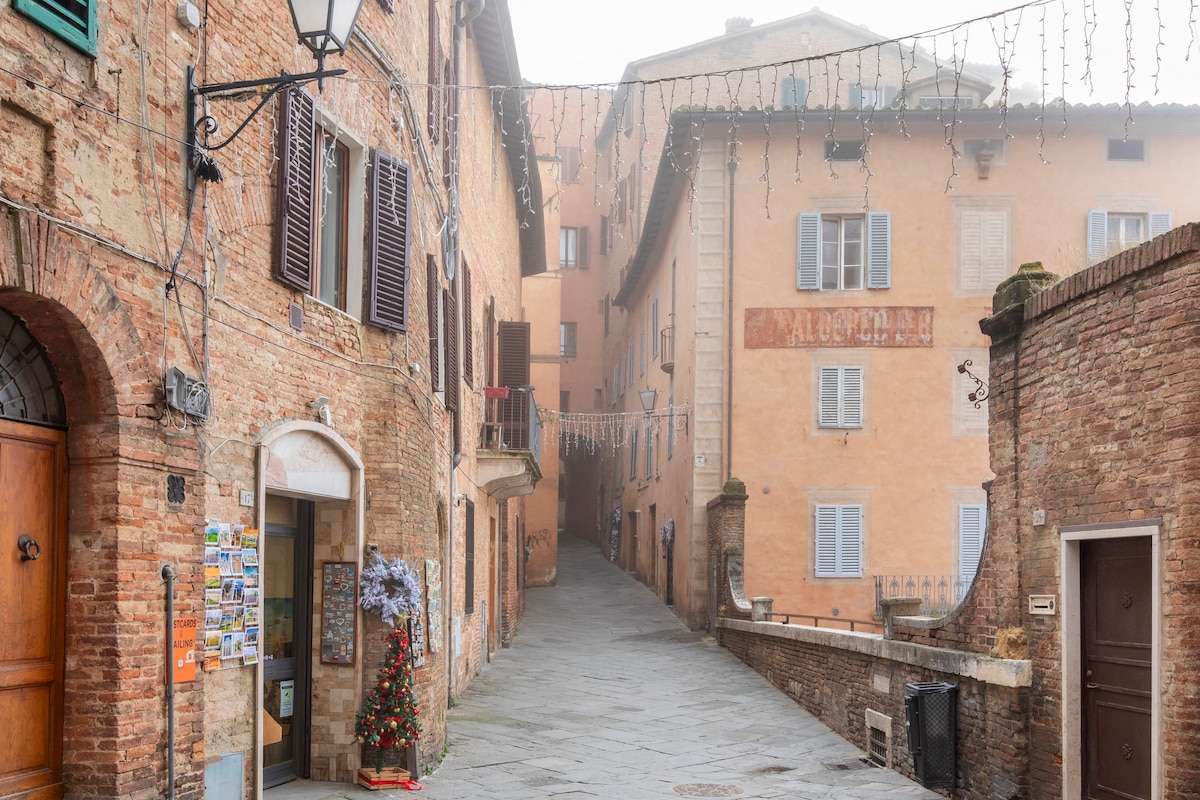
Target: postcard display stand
{"points": [[339, 587], [231, 595]]}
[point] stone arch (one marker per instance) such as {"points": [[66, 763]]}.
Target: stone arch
{"points": [[57, 283]]}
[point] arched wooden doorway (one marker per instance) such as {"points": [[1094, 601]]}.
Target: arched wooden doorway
{"points": [[33, 565]]}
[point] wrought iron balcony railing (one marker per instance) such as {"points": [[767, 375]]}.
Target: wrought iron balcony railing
{"points": [[940, 594], [667, 349]]}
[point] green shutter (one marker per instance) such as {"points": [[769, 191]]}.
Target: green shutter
{"points": [[74, 21]]}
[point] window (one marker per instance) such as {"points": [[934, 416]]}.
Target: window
{"points": [[654, 329], [871, 96], [983, 248], [840, 397], [566, 339], [972, 526], [564, 401], [649, 452], [832, 250], [642, 353], [321, 247], [838, 541], [633, 453], [433, 307], [568, 160], [598, 400], [331, 187], [622, 200], [629, 365], [843, 151], [73, 21], [572, 247], [604, 235], [1110, 232], [793, 92], [1126, 149]]}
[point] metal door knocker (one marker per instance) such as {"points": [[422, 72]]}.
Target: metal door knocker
{"points": [[30, 549]]}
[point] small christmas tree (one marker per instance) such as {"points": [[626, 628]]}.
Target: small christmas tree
{"points": [[388, 719]]}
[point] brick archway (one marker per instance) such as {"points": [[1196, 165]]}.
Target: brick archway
{"points": [[57, 282]]}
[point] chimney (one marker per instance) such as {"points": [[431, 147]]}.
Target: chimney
{"points": [[735, 24]]}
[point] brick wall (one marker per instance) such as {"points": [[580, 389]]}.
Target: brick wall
{"points": [[1093, 421]]}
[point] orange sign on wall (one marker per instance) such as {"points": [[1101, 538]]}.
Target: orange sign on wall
{"points": [[183, 649], [892, 326]]}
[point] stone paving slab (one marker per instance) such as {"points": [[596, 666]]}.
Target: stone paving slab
{"points": [[605, 694]]}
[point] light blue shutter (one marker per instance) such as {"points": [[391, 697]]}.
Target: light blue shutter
{"points": [[850, 542], [852, 397], [827, 398], [1160, 223], [825, 547], [838, 542], [1097, 237], [972, 522], [808, 251], [879, 250], [856, 95]]}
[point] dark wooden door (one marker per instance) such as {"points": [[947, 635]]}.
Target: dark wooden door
{"points": [[1117, 607], [32, 599]]}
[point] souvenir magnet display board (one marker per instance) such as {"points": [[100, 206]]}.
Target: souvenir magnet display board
{"points": [[339, 589]]}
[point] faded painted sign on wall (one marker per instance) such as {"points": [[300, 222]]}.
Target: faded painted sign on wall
{"points": [[884, 326]]}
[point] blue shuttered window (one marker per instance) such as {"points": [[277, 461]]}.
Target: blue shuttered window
{"points": [[838, 541], [972, 525], [817, 252]]}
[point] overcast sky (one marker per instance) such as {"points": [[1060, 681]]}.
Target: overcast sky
{"points": [[576, 42]]}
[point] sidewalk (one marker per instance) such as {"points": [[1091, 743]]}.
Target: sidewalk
{"points": [[604, 694]]}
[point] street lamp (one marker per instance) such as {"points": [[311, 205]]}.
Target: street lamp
{"points": [[323, 26], [648, 396]]}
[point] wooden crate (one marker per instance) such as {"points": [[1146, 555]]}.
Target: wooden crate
{"points": [[389, 778]]}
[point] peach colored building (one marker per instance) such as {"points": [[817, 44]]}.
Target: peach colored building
{"points": [[793, 291]]}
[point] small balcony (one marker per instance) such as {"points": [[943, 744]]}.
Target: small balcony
{"points": [[510, 443], [667, 349]]}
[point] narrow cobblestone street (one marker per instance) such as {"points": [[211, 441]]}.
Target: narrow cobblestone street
{"points": [[605, 694]]}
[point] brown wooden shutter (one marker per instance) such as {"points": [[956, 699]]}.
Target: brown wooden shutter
{"points": [[450, 314], [435, 72], [432, 295], [468, 328], [294, 195], [581, 248], [469, 560], [604, 235], [387, 244], [513, 366]]}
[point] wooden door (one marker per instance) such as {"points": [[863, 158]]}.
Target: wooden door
{"points": [[1117, 605], [32, 598]]}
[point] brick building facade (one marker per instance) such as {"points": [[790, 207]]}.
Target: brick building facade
{"points": [[177, 362]]}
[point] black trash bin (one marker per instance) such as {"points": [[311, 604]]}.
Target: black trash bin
{"points": [[931, 711]]}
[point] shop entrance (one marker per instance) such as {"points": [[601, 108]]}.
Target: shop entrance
{"points": [[287, 575]]}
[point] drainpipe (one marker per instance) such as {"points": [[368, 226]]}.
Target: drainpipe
{"points": [[733, 163], [168, 576]]}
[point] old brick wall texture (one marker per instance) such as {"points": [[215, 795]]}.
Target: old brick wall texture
{"points": [[91, 289]]}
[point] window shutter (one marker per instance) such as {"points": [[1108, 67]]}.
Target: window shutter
{"points": [[850, 542], [825, 548], [294, 203], [604, 235], [808, 251], [828, 397], [1097, 237], [387, 244], [434, 121], [856, 95], [879, 250], [450, 315], [972, 525], [995, 248], [432, 295], [581, 248], [513, 369], [468, 357], [852, 397], [1160, 223], [972, 250]]}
